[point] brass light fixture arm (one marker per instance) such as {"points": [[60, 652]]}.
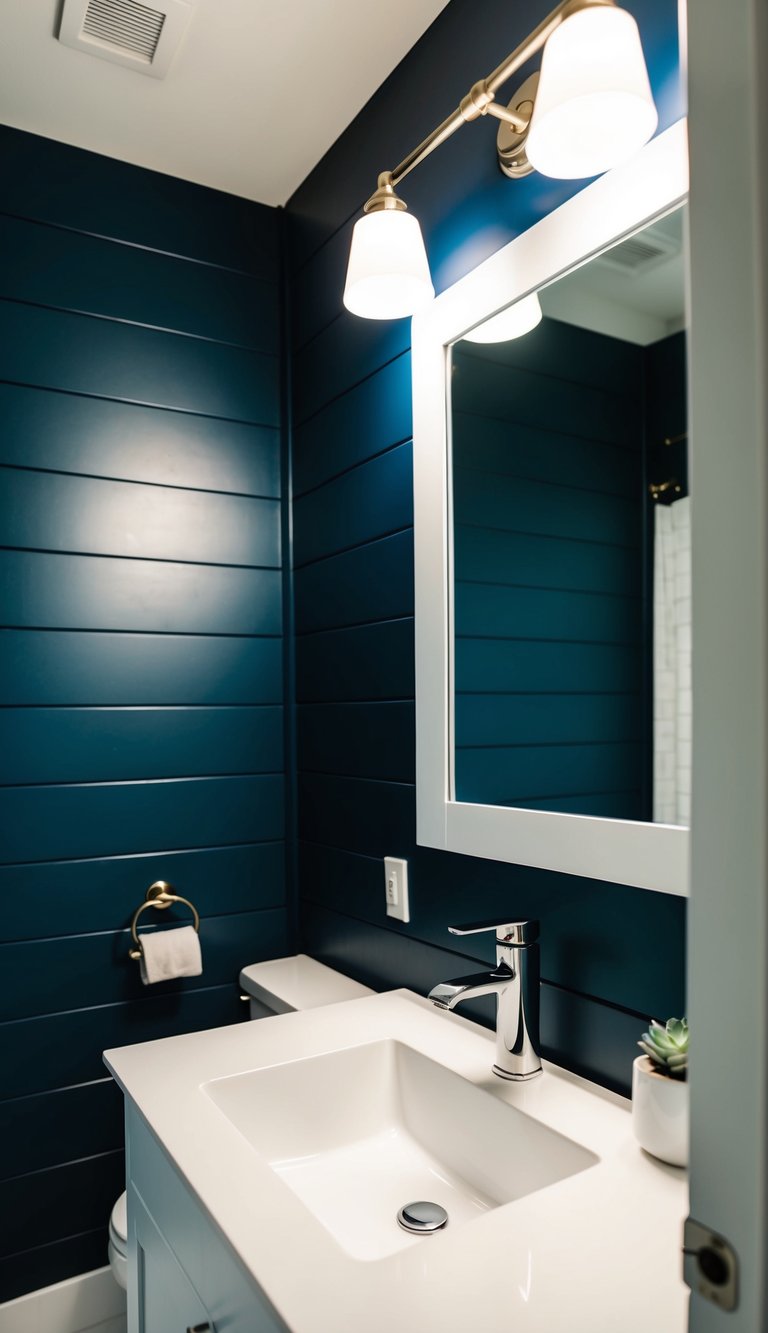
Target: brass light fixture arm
{"points": [[479, 101]]}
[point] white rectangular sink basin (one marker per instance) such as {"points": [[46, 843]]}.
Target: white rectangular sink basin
{"points": [[358, 1133]]}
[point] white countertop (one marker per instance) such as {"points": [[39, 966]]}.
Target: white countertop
{"points": [[598, 1252]]}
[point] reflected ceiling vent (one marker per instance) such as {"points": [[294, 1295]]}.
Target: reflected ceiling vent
{"points": [[640, 253], [143, 37]]}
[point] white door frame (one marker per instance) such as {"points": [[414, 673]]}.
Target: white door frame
{"points": [[728, 910]]}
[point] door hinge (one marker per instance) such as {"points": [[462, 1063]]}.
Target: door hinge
{"points": [[710, 1265]]}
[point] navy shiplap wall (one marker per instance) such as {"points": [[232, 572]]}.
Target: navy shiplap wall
{"points": [[549, 504], [141, 667], [353, 549]]}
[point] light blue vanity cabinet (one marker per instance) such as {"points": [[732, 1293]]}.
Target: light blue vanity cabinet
{"points": [[182, 1273]]}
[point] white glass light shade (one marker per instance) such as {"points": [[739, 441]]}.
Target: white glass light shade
{"points": [[388, 272], [594, 107], [511, 323]]}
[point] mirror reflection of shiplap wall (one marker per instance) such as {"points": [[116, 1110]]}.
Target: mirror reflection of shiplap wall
{"points": [[571, 582]]}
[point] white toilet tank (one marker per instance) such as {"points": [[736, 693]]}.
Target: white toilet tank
{"points": [[284, 985]]}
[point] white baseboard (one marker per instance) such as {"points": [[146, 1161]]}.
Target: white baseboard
{"points": [[90, 1303]]}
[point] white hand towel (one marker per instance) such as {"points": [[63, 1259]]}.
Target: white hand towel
{"points": [[170, 953]]}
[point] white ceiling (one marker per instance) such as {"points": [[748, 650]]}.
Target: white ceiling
{"points": [[257, 92]]}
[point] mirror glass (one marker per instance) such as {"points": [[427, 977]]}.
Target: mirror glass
{"points": [[571, 543]]}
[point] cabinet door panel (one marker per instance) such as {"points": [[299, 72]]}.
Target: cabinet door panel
{"points": [[168, 1303], [159, 1195]]}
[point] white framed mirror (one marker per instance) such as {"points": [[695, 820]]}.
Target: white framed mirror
{"points": [[503, 770]]}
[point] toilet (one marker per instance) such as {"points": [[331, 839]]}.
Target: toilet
{"points": [[281, 986], [118, 1236], [285, 985]]}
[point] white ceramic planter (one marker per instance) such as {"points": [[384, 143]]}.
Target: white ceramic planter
{"points": [[660, 1113]]}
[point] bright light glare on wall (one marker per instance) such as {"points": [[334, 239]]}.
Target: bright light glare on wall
{"points": [[594, 107], [388, 274], [511, 323]]}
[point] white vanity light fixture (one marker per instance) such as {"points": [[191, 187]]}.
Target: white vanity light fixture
{"points": [[594, 107], [590, 110], [388, 272], [511, 323]]}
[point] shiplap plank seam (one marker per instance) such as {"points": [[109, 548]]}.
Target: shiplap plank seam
{"points": [[138, 324], [357, 624], [174, 633], [133, 481], [165, 851], [141, 402], [136, 559], [388, 361], [136, 245], [113, 1004], [73, 1161], [356, 546], [353, 467]]}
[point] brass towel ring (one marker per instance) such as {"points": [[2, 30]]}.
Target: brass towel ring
{"points": [[161, 895]]}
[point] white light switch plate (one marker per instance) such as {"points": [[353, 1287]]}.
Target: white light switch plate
{"points": [[396, 888]]}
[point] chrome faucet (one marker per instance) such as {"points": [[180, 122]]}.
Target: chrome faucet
{"points": [[515, 980]]}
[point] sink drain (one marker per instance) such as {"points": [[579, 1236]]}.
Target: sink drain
{"points": [[422, 1217]]}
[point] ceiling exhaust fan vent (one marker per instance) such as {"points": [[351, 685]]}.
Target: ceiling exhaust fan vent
{"points": [[143, 37], [640, 253], [126, 25]]}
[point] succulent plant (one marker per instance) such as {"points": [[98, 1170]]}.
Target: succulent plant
{"points": [[666, 1045]]}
